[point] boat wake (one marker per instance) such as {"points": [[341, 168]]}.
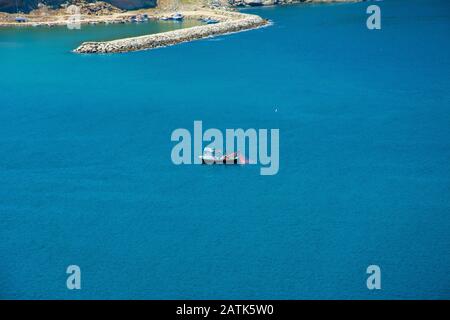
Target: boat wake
{"points": [[242, 159]]}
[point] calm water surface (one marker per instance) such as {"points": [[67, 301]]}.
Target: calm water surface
{"points": [[86, 176]]}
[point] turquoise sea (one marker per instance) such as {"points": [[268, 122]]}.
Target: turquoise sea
{"points": [[86, 176]]}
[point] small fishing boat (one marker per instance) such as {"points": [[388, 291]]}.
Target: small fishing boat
{"points": [[210, 21], [177, 17], [211, 156], [20, 19], [141, 18]]}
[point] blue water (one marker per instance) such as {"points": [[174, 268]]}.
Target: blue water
{"points": [[86, 176]]}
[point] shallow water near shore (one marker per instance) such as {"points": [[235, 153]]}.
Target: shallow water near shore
{"points": [[87, 179], [70, 38]]}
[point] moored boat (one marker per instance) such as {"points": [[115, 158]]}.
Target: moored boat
{"points": [[177, 17], [141, 18], [20, 19], [209, 20]]}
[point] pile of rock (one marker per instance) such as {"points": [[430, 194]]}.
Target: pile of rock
{"points": [[97, 8], [219, 4], [100, 8], [164, 39], [5, 17]]}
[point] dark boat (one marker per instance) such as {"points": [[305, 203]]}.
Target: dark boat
{"points": [[20, 19]]}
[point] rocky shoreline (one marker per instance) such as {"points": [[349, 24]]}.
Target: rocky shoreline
{"points": [[229, 23], [93, 12]]}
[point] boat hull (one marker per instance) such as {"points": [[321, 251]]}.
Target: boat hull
{"points": [[226, 162]]}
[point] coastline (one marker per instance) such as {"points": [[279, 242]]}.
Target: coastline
{"points": [[50, 17], [62, 19], [124, 17], [229, 22]]}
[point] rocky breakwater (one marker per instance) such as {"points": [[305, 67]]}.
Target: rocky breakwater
{"points": [[237, 22]]}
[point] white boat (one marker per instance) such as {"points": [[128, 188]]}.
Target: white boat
{"points": [[141, 18], [177, 16], [211, 156], [209, 20]]}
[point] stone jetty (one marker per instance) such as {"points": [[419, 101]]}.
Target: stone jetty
{"points": [[229, 22]]}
